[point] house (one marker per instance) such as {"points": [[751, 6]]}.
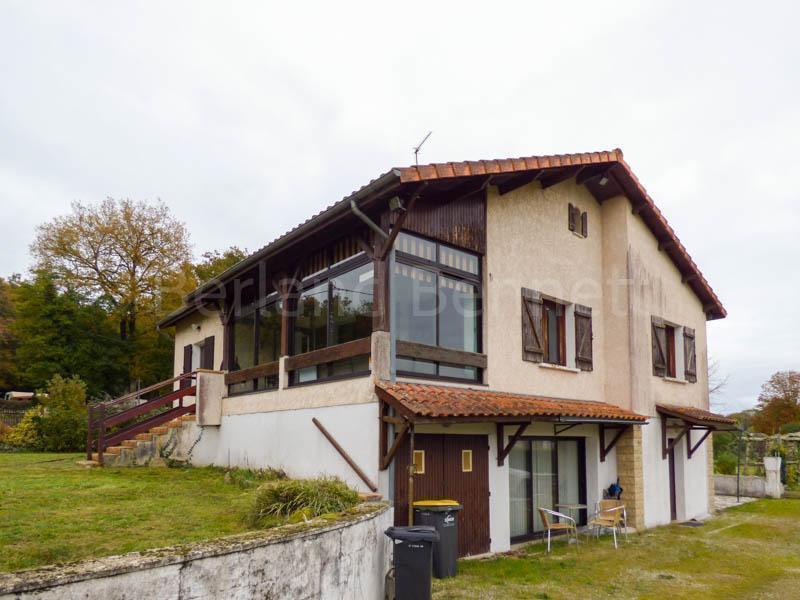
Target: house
{"points": [[524, 332]]}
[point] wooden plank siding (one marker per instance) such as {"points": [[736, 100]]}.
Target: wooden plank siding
{"points": [[460, 222]]}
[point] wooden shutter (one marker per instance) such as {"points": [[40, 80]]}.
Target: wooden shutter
{"points": [[585, 224], [532, 348], [187, 364], [207, 357], [659, 347], [689, 355], [583, 337], [571, 216]]}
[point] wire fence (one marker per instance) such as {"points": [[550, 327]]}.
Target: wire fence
{"points": [[12, 416]]}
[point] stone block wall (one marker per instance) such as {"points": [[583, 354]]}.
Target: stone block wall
{"points": [[630, 471]]}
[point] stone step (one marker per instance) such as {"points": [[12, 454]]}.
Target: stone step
{"points": [[188, 418], [144, 437], [176, 424], [114, 450], [160, 430], [130, 443]]}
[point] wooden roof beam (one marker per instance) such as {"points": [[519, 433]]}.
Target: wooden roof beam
{"points": [[561, 174], [587, 173], [517, 182]]}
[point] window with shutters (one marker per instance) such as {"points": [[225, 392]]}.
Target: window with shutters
{"points": [[556, 332], [689, 355], [659, 343], [577, 221], [583, 337], [673, 351]]}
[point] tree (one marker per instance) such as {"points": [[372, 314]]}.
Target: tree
{"points": [[216, 262], [778, 403], [118, 251], [63, 333], [7, 339]]}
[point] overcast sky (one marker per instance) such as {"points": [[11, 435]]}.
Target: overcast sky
{"points": [[246, 119]]}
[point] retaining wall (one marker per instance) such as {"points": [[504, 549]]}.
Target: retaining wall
{"points": [[347, 559], [753, 487]]}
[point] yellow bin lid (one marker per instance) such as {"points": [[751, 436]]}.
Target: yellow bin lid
{"points": [[422, 503]]}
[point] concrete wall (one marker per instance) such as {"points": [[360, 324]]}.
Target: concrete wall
{"points": [[288, 440], [345, 560], [749, 486]]}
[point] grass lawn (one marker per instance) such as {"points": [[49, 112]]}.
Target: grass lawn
{"points": [[751, 551], [52, 510]]}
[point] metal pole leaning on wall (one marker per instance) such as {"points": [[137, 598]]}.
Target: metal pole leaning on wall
{"points": [[738, 463]]}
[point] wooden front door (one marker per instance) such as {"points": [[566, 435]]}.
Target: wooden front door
{"points": [[673, 505], [456, 467]]}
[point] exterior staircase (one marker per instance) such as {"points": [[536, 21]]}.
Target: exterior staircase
{"points": [[152, 448], [135, 429]]}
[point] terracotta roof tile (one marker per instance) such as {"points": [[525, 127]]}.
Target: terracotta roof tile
{"points": [[696, 414], [442, 402], [653, 217]]}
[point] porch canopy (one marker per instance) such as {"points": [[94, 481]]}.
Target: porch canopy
{"points": [[689, 419], [416, 403]]}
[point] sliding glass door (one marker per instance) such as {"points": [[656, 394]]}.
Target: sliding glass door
{"points": [[544, 473]]}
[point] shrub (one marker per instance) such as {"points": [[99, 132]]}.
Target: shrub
{"points": [[725, 463], [300, 499], [62, 426], [26, 433]]}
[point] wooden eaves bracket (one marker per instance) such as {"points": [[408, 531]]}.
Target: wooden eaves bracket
{"points": [[504, 450], [605, 449], [686, 430], [402, 427]]}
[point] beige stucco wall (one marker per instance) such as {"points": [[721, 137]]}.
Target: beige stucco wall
{"points": [[617, 270], [656, 289], [529, 245], [186, 333]]}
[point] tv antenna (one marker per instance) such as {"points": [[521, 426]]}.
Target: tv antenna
{"points": [[416, 149]]}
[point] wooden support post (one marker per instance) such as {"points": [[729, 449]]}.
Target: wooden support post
{"points": [[411, 470], [690, 449], [343, 453], [101, 433], [89, 433]]}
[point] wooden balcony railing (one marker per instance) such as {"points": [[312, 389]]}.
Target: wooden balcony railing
{"points": [[109, 423]]}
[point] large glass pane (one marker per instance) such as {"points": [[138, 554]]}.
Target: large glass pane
{"points": [[568, 475], [415, 310], [269, 333], [244, 342], [311, 324], [519, 482], [458, 372], [351, 312], [456, 259], [413, 365], [418, 247], [543, 479], [458, 315]]}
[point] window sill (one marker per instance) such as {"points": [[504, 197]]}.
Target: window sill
{"points": [[559, 368], [576, 234], [674, 380]]}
